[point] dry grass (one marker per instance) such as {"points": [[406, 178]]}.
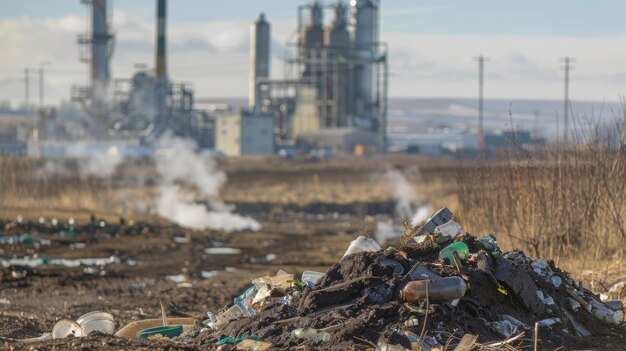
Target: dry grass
{"points": [[566, 204]]}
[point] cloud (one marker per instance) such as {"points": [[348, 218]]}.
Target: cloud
{"points": [[518, 66], [214, 58]]}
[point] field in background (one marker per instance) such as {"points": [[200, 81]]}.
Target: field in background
{"points": [[566, 205]]}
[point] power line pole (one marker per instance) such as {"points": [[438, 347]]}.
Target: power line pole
{"points": [[26, 90], [41, 83], [480, 142], [567, 60]]}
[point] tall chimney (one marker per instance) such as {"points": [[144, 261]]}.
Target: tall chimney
{"points": [[99, 44], [161, 64], [259, 58]]}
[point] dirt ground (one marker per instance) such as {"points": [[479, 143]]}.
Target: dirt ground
{"points": [[309, 213]]}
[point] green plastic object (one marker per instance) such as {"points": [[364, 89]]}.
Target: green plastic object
{"points": [[490, 244], [460, 248], [233, 341], [170, 331]]}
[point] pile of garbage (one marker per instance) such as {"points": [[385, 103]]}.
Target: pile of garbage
{"points": [[445, 290]]}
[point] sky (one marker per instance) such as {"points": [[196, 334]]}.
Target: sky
{"points": [[431, 45]]}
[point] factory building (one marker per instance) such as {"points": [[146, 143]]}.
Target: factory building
{"points": [[244, 133], [335, 74], [346, 141], [144, 106]]}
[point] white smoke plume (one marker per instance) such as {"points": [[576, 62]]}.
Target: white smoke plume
{"points": [[408, 205], [100, 164], [181, 169]]}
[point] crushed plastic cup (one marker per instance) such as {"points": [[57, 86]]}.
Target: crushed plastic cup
{"points": [[65, 327], [230, 314], [97, 321], [310, 278], [361, 244]]}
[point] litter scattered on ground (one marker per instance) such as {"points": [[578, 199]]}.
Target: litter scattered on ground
{"points": [[444, 289]]}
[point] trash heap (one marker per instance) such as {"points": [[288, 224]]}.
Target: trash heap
{"points": [[445, 290]]}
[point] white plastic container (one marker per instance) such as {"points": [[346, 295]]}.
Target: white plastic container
{"points": [[97, 321], [65, 327], [361, 244]]}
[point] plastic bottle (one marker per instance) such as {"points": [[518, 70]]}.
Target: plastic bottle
{"points": [[460, 248], [444, 289], [310, 334], [606, 314]]}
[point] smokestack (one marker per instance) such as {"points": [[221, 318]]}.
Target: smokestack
{"points": [[99, 44], [161, 64], [259, 59]]}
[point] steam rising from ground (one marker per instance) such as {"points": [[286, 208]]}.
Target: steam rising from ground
{"points": [[407, 205], [183, 174]]}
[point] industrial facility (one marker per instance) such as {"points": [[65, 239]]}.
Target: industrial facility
{"points": [[335, 77], [335, 73]]}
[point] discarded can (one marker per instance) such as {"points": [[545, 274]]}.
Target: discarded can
{"points": [[444, 289], [361, 244], [310, 334], [461, 248], [97, 321]]}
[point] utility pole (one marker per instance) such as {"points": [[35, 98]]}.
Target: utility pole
{"points": [[41, 83], [26, 92], [480, 141], [567, 60]]}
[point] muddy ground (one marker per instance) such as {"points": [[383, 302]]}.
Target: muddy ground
{"points": [[147, 255], [306, 226]]}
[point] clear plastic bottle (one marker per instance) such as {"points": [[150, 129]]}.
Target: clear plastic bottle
{"points": [[310, 334], [444, 289]]}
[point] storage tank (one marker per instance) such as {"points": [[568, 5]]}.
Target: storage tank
{"points": [[259, 59]]}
